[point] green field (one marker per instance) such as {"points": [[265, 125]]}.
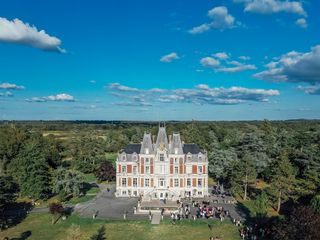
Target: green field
{"points": [[40, 227]]}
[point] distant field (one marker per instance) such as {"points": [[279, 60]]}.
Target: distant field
{"points": [[40, 228]]}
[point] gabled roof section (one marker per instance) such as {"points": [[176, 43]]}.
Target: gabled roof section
{"points": [[162, 138], [191, 148], [132, 148], [146, 144], [176, 144]]}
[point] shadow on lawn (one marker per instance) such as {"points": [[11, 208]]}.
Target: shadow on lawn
{"points": [[23, 236], [16, 213], [100, 235]]}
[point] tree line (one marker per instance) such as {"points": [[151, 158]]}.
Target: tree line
{"points": [[284, 155]]}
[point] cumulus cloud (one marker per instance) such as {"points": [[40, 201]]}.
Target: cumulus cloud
{"points": [[62, 97], [226, 66], [301, 22], [201, 94], [10, 85], [18, 32], [169, 57], [6, 94], [221, 55], [119, 87], [294, 67], [273, 6], [220, 19], [209, 62], [244, 58], [313, 90]]}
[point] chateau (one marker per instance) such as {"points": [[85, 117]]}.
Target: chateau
{"points": [[163, 169]]}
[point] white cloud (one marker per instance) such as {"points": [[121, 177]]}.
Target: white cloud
{"points": [[313, 90], [16, 31], [221, 55], [6, 94], [201, 94], [62, 97], [93, 81], [240, 68], [221, 19], [226, 66], [244, 58], [169, 57], [200, 29], [209, 62], [10, 85], [294, 67], [118, 86], [273, 6], [301, 22]]}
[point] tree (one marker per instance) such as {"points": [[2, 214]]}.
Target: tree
{"points": [[242, 174], [100, 235], [70, 182], [302, 223], [11, 141], [282, 178], [56, 209], [8, 195], [8, 191], [31, 170], [220, 162], [261, 204], [315, 203], [105, 171]]}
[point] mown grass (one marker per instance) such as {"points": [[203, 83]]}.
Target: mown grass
{"points": [[40, 227]]}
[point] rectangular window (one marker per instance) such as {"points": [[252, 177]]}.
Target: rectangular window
{"points": [[189, 169], [124, 182], [189, 182], [162, 182], [200, 182], [124, 192], [175, 160], [161, 157], [147, 169], [176, 170], [124, 169], [147, 182], [134, 169], [199, 169], [176, 182], [147, 160], [199, 193], [135, 182]]}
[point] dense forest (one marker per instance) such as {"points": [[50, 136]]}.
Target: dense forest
{"points": [[38, 158]]}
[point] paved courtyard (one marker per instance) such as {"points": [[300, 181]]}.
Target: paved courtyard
{"points": [[105, 205]]}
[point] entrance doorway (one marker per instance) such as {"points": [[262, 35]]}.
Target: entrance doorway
{"points": [[162, 195]]}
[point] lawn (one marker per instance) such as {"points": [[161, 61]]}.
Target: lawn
{"points": [[40, 227], [88, 196]]}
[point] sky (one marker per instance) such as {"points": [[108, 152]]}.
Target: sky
{"points": [[159, 60]]}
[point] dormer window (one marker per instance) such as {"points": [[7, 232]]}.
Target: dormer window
{"points": [[147, 150], [124, 157], [161, 158], [175, 150]]}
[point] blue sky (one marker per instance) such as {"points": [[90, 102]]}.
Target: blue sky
{"points": [[159, 60]]}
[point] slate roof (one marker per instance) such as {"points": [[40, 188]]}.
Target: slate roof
{"points": [[191, 148], [132, 148], [162, 138], [146, 143]]}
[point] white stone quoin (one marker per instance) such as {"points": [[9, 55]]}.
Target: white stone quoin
{"points": [[165, 169]]}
